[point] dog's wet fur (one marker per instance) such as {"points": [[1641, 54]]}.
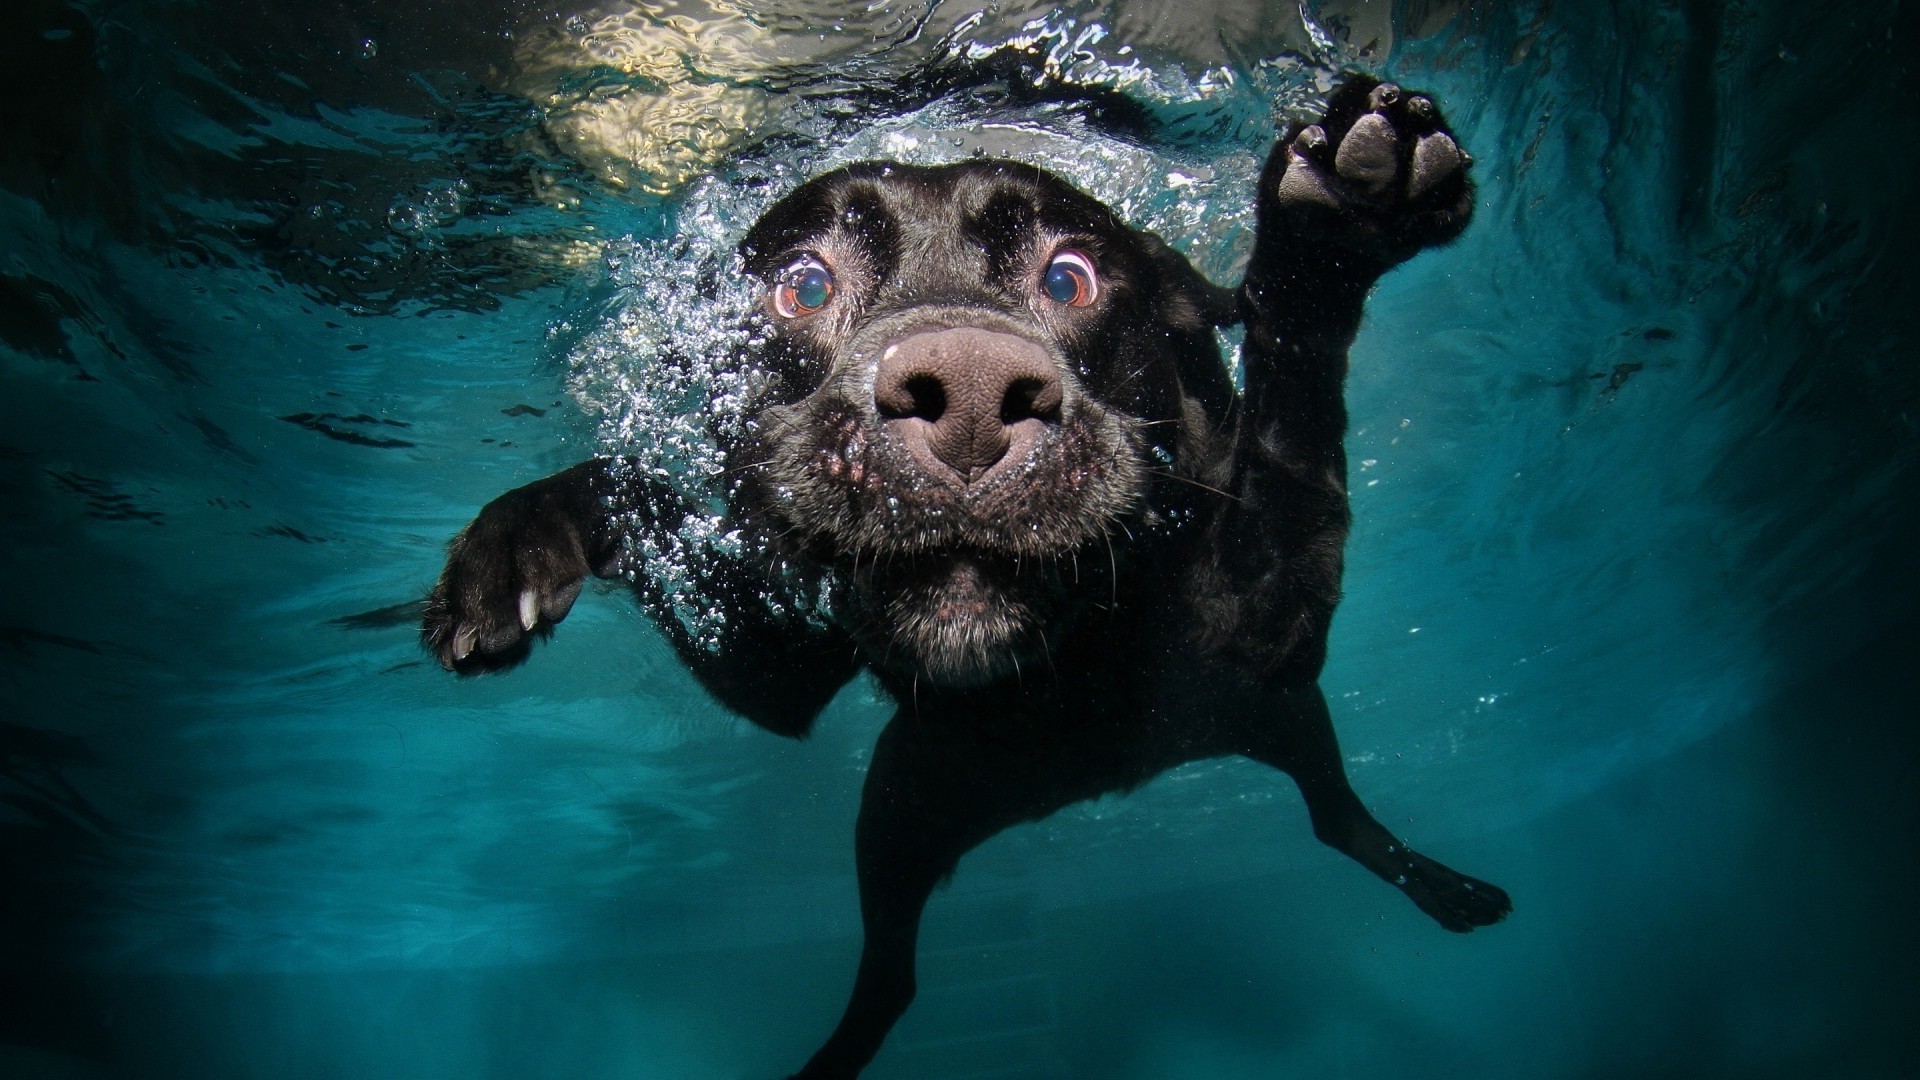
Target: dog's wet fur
{"points": [[993, 429]]}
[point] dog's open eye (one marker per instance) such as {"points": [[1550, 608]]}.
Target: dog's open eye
{"points": [[803, 288], [1070, 279]]}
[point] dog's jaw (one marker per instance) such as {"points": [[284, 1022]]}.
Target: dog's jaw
{"points": [[958, 620]]}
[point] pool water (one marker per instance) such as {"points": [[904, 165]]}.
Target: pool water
{"points": [[287, 292]]}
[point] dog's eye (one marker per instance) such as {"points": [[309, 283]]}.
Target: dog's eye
{"points": [[803, 288], [1070, 279]]}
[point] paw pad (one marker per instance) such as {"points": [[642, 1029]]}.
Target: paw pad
{"points": [[1435, 157], [1379, 174], [1370, 154]]}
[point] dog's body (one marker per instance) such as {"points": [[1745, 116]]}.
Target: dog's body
{"points": [[994, 457]]}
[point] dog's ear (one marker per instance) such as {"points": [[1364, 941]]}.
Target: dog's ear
{"points": [[1187, 301], [1183, 285]]}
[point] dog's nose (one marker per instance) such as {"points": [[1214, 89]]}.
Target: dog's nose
{"points": [[967, 395]]}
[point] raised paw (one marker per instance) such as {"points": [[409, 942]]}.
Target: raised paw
{"points": [[511, 574], [1379, 175], [1455, 901]]}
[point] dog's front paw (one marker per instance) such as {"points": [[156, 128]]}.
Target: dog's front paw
{"points": [[1379, 175], [512, 573]]}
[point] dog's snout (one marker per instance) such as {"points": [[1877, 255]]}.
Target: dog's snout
{"points": [[966, 396]]}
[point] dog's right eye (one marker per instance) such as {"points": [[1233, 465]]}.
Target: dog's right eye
{"points": [[803, 288]]}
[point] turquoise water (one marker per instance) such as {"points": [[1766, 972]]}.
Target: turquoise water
{"points": [[287, 293]]}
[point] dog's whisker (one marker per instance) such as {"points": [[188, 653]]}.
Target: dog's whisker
{"points": [[1171, 475]]}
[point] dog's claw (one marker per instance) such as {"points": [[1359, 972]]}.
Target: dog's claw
{"points": [[463, 641]]}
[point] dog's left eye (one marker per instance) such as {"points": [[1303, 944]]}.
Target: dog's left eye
{"points": [[803, 288], [1070, 279]]}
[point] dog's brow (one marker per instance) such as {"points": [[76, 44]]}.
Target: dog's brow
{"points": [[1003, 227], [872, 224], [1079, 215]]}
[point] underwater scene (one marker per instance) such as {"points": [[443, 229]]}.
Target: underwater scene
{"points": [[1630, 621]]}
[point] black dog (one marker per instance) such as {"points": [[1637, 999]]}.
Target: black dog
{"points": [[994, 456]]}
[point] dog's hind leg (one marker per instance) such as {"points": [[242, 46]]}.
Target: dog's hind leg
{"points": [[915, 823], [1301, 743]]}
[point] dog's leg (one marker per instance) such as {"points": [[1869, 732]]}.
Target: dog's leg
{"points": [[1341, 201], [932, 794], [1302, 744], [898, 867], [894, 886], [515, 571], [517, 568]]}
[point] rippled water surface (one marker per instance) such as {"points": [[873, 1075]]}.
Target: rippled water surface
{"points": [[287, 292]]}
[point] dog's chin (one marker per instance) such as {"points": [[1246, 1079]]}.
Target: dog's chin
{"points": [[960, 622]]}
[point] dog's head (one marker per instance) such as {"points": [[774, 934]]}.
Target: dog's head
{"points": [[972, 378]]}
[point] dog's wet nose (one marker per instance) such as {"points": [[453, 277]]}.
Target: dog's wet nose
{"points": [[966, 396]]}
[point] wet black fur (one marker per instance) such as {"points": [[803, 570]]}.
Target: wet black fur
{"points": [[1153, 587]]}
